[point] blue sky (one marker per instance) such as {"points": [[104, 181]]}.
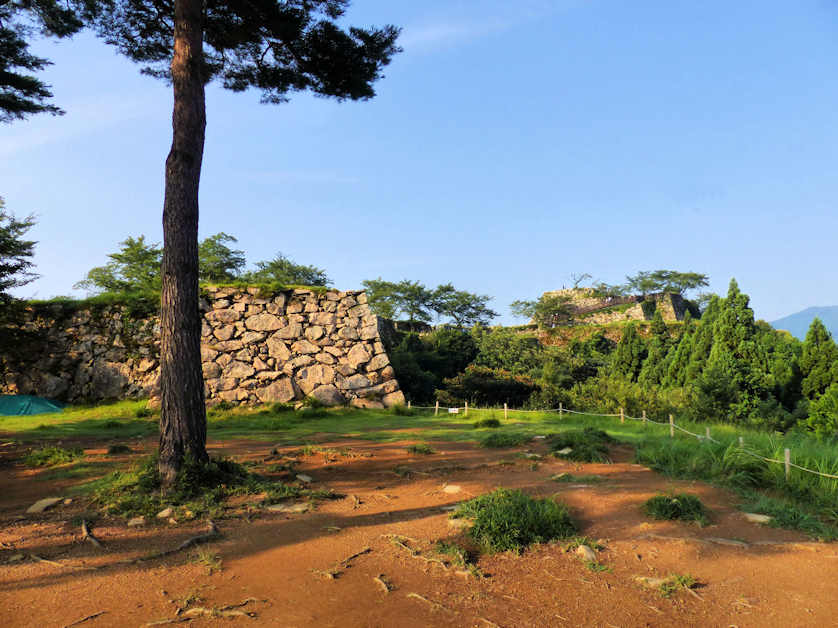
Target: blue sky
{"points": [[509, 146]]}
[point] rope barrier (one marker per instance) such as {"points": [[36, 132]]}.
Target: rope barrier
{"points": [[700, 437]]}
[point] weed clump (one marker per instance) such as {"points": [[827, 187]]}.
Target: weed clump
{"points": [[675, 583], [505, 439], [420, 448], [51, 456], [586, 445], [200, 489], [400, 410], [508, 519], [680, 506], [491, 423]]}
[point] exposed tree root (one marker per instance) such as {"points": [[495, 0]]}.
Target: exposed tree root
{"points": [[84, 619]]}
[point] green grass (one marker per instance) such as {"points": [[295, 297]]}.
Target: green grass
{"points": [[586, 445], [420, 448], [681, 457], [680, 506], [197, 491], [510, 520], [570, 478], [500, 440], [489, 423], [675, 583], [52, 456]]}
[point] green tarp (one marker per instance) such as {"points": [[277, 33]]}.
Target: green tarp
{"points": [[12, 405]]}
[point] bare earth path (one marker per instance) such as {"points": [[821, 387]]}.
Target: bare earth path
{"points": [[749, 575]]}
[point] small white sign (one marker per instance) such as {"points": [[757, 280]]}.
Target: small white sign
{"points": [[453, 411]]}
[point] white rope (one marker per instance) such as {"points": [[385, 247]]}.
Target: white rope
{"points": [[701, 437]]}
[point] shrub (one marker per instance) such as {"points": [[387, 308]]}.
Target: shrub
{"points": [[508, 519], [504, 439], [680, 506], [487, 423], [586, 445], [421, 448], [486, 387], [401, 410], [51, 456]]}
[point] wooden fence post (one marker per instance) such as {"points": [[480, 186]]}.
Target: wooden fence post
{"points": [[436, 408], [466, 408], [622, 416], [741, 442], [788, 464], [505, 411], [671, 426], [645, 420], [561, 409], [408, 404], [707, 432]]}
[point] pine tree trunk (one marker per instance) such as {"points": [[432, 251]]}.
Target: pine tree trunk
{"points": [[183, 424]]}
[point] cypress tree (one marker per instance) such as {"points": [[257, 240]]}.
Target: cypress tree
{"points": [[654, 366], [629, 355], [678, 357], [819, 361]]}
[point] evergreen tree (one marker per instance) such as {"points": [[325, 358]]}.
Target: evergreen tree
{"points": [[135, 267], [653, 371], [678, 357], [284, 271], [819, 361], [278, 48], [702, 342], [21, 93], [15, 252], [217, 262], [628, 357]]}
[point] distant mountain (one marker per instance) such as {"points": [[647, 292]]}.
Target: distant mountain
{"points": [[798, 324]]}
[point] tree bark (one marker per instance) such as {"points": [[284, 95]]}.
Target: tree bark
{"points": [[183, 424]]}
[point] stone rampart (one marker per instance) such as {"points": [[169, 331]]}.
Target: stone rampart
{"points": [[255, 348]]}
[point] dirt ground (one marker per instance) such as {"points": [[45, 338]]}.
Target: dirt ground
{"points": [[273, 566]]}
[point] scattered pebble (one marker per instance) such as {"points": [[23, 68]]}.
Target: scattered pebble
{"points": [[16, 558], [651, 583], [452, 488], [43, 504], [165, 513], [757, 518], [172, 521], [68, 501], [136, 522], [565, 451], [305, 479]]}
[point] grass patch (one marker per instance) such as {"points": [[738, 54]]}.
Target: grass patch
{"points": [[500, 440], [676, 506], [786, 514], [208, 557], [421, 448], [508, 519], [597, 567], [114, 450], [400, 410], [198, 490], [585, 445], [52, 456], [576, 541], [490, 423], [675, 583], [570, 478]]}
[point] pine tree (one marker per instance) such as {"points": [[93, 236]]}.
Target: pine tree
{"points": [[819, 361], [21, 93], [702, 342], [276, 47]]}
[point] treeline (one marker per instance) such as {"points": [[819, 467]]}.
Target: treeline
{"points": [[724, 366]]}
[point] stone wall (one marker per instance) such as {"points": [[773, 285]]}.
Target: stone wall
{"points": [[255, 348], [589, 309]]}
